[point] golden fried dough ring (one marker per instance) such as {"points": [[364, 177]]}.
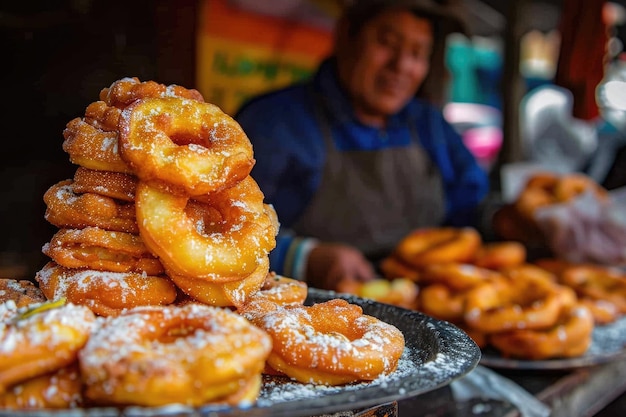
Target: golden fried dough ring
{"points": [[569, 337], [36, 342], [92, 147], [222, 251], [312, 345], [22, 292], [458, 276], [102, 250], [282, 290], [107, 183], [67, 209], [224, 294], [59, 389], [438, 245], [106, 293], [498, 255], [506, 304], [191, 355], [185, 143], [128, 90], [393, 267], [597, 282]]}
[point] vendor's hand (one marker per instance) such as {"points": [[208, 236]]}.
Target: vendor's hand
{"points": [[330, 263]]}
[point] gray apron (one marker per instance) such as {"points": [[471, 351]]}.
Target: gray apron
{"points": [[372, 199]]}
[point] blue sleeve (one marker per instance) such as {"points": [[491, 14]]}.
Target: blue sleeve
{"points": [[287, 166], [465, 182]]}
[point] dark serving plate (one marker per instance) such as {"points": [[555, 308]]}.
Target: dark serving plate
{"points": [[608, 344], [436, 353]]}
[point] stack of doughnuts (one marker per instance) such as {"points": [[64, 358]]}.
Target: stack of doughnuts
{"points": [[158, 288], [161, 202]]}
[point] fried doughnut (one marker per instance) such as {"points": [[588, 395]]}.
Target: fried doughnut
{"points": [[572, 185], [22, 292], [191, 355], [127, 90], [569, 337], [282, 290], [92, 147], [185, 143], [506, 304], [67, 209], [439, 245], [442, 302], [537, 192], [40, 340], [497, 255], [59, 389], [393, 267], [106, 293], [329, 343], [222, 251], [102, 250], [598, 283], [224, 294], [110, 184], [458, 276], [603, 312]]}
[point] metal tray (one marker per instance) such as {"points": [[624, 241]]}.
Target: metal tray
{"points": [[608, 344], [436, 354]]}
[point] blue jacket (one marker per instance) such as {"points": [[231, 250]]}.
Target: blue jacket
{"points": [[290, 153]]}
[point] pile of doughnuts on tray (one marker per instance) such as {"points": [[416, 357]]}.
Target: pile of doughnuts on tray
{"points": [[158, 288], [541, 310]]}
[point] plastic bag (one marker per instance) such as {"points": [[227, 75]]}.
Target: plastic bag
{"points": [[587, 229]]}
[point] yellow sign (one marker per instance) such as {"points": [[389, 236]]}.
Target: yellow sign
{"points": [[242, 53]]}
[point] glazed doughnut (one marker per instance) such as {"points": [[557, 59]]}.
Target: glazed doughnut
{"points": [[572, 185], [393, 267], [22, 292], [439, 245], [59, 389], [92, 147], [598, 283], [458, 276], [537, 192], [102, 250], [282, 290], [109, 184], [497, 255], [527, 302], [329, 343], [223, 251], [105, 293], [127, 90], [603, 312], [224, 294], [570, 336], [442, 302], [67, 209], [191, 355], [40, 340], [185, 143]]}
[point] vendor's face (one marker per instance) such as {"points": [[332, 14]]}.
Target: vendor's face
{"points": [[386, 63]]}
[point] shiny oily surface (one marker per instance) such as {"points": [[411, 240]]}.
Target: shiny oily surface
{"points": [[436, 353], [608, 344]]}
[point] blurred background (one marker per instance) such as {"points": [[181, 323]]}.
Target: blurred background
{"points": [[525, 82]]}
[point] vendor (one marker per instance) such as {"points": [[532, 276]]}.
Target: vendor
{"points": [[352, 160]]}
